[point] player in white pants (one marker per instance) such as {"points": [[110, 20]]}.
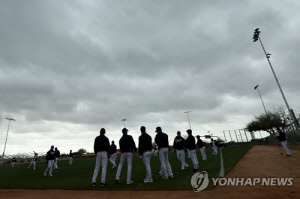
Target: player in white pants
{"points": [[155, 150], [178, 146], [145, 148], [162, 141], [113, 154], [189, 154], [13, 162], [101, 149], [56, 155], [214, 147], [202, 148], [127, 147], [281, 137], [191, 146], [50, 161], [33, 160], [70, 157]]}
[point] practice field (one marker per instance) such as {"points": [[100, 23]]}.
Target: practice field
{"points": [[79, 175]]}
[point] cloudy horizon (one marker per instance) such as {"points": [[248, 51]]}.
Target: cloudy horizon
{"points": [[71, 68]]}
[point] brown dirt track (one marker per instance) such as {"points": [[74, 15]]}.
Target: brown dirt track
{"points": [[260, 161]]}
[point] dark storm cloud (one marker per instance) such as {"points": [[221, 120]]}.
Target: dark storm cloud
{"points": [[82, 64]]}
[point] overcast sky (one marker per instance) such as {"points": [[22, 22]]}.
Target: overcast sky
{"points": [[69, 68]]}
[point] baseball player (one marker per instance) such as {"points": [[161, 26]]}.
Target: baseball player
{"points": [[162, 141], [145, 148], [13, 162], [178, 146], [50, 161], [70, 157], [127, 147], [214, 147], [202, 148], [101, 149], [33, 160], [191, 146], [281, 137], [113, 154], [56, 155]]}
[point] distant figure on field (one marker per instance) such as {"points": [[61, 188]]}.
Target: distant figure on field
{"points": [[145, 148], [191, 146], [281, 138], [50, 161], [13, 162], [33, 160], [162, 141], [56, 155], [178, 146], [202, 148], [70, 157], [127, 147], [113, 154], [155, 150], [101, 149], [214, 147]]}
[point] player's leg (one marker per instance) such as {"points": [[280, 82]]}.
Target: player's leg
{"points": [[163, 163], [96, 170], [123, 156], [129, 167], [50, 165], [104, 167], [33, 165], [147, 160], [284, 144], [168, 166]]}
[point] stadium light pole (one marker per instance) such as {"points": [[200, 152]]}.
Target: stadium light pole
{"points": [[256, 37], [187, 112], [9, 120], [124, 120], [256, 88]]}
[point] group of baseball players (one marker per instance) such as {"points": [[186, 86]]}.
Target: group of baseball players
{"points": [[104, 151]]}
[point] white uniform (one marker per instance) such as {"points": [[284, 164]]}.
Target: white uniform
{"points": [[33, 161], [147, 159], [203, 153], [101, 160], [112, 159], [164, 161], [49, 167], [194, 158], [214, 147], [181, 158], [125, 156]]}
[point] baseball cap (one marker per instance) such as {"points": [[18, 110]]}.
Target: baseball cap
{"points": [[124, 130], [52, 146], [189, 130], [158, 129], [178, 132], [198, 136]]}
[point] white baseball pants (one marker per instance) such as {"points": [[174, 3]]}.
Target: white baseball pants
{"points": [[32, 163], [194, 158], [147, 159], [181, 158], [55, 164], [49, 167], [203, 153], [112, 159], [125, 156], [70, 160], [284, 144], [101, 160], [164, 161]]}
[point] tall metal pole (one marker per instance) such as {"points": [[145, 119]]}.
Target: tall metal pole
{"points": [[9, 119], [256, 87], [187, 112], [256, 34]]}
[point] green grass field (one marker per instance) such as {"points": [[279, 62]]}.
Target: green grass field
{"points": [[79, 175]]}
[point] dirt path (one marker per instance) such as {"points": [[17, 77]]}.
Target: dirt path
{"points": [[260, 161]]}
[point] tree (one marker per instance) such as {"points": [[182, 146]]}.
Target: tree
{"points": [[81, 151], [269, 121]]}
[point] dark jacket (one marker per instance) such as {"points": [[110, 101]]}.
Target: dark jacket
{"points": [[179, 143], [145, 143], [200, 144], [162, 141], [281, 136], [50, 155], [101, 144], [57, 153], [127, 144], [113, 149], [190, 142], [14, 160], [71, 155]]}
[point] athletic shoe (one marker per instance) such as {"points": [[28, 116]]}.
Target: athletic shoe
{"points": [[165, 177], [45, 173], [160, 174], [171, 176], [129, 182], [50, 175], [103, 184], [148, 181], [195, 170], [117, 181], [94, 184], [288, 155]]}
